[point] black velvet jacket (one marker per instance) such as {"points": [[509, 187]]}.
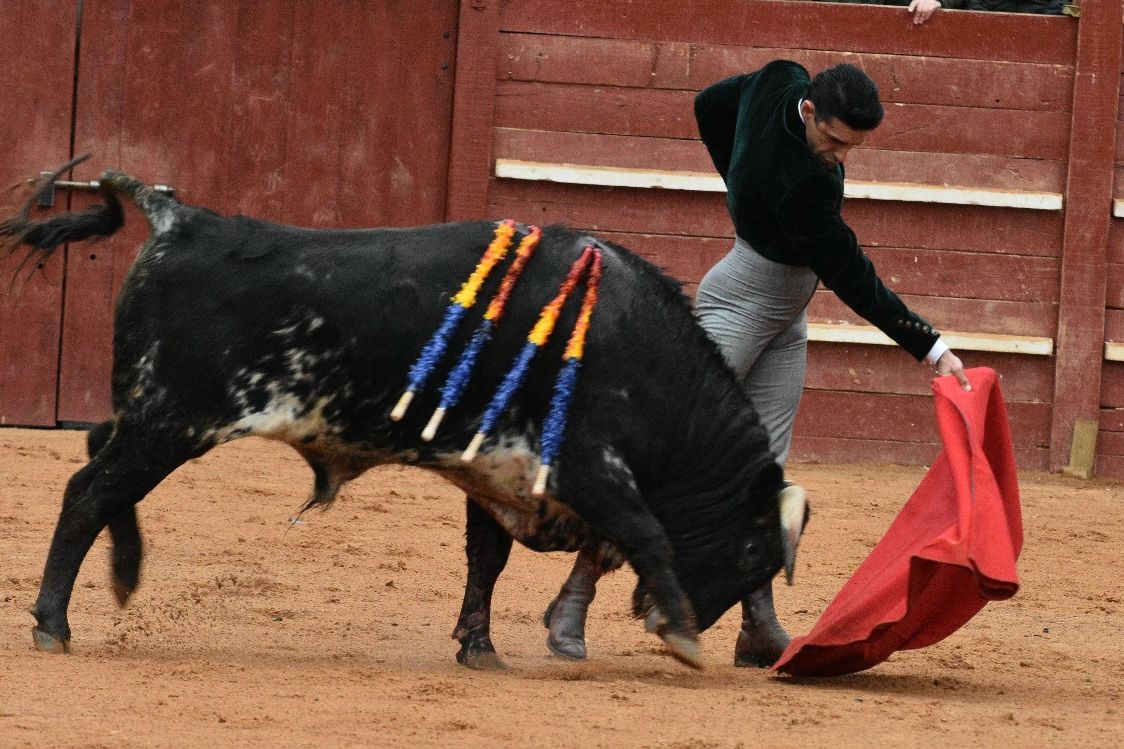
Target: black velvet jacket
{"points": [[786, 203]]}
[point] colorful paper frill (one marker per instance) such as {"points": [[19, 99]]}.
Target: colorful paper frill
{"points": [[433, 351], [554, 425], [461, 373]]}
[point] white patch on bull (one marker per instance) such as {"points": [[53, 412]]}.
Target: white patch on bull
{"points": [[162, 220], [305, 272], [285, 417], [145, 388], [617, 464], [500, 480]]}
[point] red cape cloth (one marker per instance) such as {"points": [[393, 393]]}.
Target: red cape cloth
{"points": [[951, 549]]}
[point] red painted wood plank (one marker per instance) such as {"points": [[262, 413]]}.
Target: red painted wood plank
{"points": [[1081, 312], [811, 449], [842, 27], [1112, 420], [1112, 385], [595, 109], [606, 62], [287, 119], [1116, 241], [877, 223], [880, 223], [677, 154], [669, 114], [612, 209], [1110, 467], [470, 156], [963, 169], [596, 149], [1114, 286], [837, 450], [902, 418], [1114, 325], [677, 65], [888, 369], [961, 274], [972, 315], [35, 130], [910, 78], [1111, 444]]}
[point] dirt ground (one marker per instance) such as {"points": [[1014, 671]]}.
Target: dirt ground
{"points": [[335, 632]]}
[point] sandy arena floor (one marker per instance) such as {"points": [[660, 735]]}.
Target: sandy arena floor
{"points": [[247, 632]]}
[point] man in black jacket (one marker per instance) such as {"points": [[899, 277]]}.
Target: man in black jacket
{"points": [[779, 140]]}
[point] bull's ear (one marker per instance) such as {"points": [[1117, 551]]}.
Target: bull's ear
{"points": [[793, 501]]}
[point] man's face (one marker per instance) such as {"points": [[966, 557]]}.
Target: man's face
{"points": [[830, 139]]}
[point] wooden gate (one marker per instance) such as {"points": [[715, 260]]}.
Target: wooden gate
{"points": [[34, 131], [983, 198], [304, 112]]}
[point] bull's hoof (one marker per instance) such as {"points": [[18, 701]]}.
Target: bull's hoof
{"points": [[761, 646], [481, 661], [567, 633], [46, 643], [572, 648], [684, 649], [122, 592]]}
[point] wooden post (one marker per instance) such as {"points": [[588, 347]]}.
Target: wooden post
{"points": [[1088, 201], [470, 154]]}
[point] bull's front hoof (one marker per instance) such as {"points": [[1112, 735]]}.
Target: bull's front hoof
{"points": [[567, 630], [684, 649], [46, 643], [481, 660], [761, 646]]}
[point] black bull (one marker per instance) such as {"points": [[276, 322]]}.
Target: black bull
{"points": [[230, 326]]}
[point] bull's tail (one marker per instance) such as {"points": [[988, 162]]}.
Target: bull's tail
{"points": [[42, 237]]}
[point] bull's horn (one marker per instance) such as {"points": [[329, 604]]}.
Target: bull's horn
{"points": [[793, 500]]}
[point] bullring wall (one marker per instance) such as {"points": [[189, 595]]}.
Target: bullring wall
{"points": [[992, 198]]}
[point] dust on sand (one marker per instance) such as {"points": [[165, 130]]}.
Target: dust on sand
{"points": [[335, 632]]}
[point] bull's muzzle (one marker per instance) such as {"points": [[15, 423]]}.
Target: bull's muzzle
{"points": [[793, 502]]}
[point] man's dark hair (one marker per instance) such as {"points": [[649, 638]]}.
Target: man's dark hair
{"points": [[846, 93]]}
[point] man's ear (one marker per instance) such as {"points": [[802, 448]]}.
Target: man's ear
{"points": [[808, 109]]}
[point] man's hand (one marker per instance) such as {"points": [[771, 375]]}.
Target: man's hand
{"points": [[950, 364], [922, 10]]}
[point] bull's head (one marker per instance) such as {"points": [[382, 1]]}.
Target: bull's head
{"points": [[755, 550]]}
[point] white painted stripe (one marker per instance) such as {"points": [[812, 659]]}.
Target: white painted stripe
{"points": [[995, 342], [1118, 208], [608, 176], [1114, 351], [611, 176]]}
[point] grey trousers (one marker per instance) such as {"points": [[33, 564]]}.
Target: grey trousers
{"points": [[754, 309]]}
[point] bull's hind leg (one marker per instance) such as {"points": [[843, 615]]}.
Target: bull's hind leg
{"points": [[487, 547], [119, 475], [124, 530], [565, 616]]}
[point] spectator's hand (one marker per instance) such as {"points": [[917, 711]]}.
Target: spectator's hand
{"points": [[922, 10], [950, 364]]}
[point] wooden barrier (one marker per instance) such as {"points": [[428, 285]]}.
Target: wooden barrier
{"points": [[962, 197]]}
